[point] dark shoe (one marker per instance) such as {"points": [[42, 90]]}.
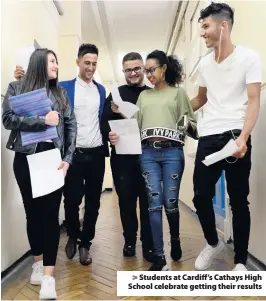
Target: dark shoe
{"points": [[159, 264], [84, 256], [176, 252], [148, 254], [71, 247], [129, 250]]}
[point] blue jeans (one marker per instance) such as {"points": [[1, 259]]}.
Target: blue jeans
{"points": [[162, 170]]}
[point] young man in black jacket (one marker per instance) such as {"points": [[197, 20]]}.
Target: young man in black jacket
{"points": [[128, 180]]}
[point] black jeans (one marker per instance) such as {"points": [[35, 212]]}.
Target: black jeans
{"points": [[42, 213], [130, 185], [237, 178], [84, 177]]}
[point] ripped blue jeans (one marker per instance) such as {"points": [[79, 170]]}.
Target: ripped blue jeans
{"points": [[162, 170]]}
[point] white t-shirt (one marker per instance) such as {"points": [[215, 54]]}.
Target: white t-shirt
{"points": [[226, 85], [87, 105]]}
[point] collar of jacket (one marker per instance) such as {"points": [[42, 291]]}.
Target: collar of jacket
{"points": [[70, 88]]}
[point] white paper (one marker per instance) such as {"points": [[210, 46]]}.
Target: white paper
{"points": [[129, 136], [128, 109], [23, 56], [44, 174], [229, 149]]}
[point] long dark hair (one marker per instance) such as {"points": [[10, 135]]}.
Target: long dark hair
{"points": [[174, 72], [36, 76]]}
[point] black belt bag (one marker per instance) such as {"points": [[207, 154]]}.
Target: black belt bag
{"points": [[162, 144]]}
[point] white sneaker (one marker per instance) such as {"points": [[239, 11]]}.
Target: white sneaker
{"points": [[240, 267], [206, 256], [48, 288], [37, 273]]}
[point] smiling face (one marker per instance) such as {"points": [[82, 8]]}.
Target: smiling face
{"points": [[210, 32], [213, 30], [87, 66], [154, 71], [134, 73], [52, 66]]}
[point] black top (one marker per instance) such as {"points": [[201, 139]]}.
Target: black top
{"points": [[127, 93]]}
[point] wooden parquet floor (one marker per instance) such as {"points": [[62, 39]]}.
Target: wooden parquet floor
{"points": [[98, 281]]}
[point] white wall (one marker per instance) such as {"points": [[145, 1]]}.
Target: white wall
{"points": [[22, 22], [248, 30]]}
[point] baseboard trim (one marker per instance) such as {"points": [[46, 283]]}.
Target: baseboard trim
{"points": [[15, 266]]}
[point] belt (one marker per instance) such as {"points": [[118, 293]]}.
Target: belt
{"points": [[235, 132], [162, 144], [83, 150]]}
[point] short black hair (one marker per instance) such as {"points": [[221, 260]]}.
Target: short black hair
{"points": [[221, 10], [132, 56], [87, 48]]}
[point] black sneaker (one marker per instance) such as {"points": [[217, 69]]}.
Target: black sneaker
{"points": [[148, 254], [129, 250], [159, 264], [176, 252]]}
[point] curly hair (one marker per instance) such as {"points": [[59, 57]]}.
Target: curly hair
{"points": [[174, 71]]}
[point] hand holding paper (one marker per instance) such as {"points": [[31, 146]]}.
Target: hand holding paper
{"points": [[129, 136], [229, 149], [126, 108], [44, 173]]}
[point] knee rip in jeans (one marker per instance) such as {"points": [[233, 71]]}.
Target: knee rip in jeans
{"points": [[172, 188], [158, 208], [174, 176], [154, 194], [174, 209]]}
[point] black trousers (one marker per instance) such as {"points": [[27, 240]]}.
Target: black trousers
{"points": [[130, 185], [237, 178], [84, 177], [41, 213]]}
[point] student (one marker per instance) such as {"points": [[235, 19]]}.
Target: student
{"points": [[162, 122], [229, 87], [42, 212], [85, 175], [128, 181]]}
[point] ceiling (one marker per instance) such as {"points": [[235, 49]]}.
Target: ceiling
{"points": [[119, 27]]}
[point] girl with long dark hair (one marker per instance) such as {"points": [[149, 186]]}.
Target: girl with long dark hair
{"points": [[42, 213]]}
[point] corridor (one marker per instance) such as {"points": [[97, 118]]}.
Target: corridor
{"points": [[98, 281]]}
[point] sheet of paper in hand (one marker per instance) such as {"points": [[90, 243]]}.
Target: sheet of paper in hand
{"points": [[129, 136], [44, 174], [128, 109], [228, 150]]}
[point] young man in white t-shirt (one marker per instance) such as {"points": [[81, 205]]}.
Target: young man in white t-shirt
{"points": [[229, 90]]}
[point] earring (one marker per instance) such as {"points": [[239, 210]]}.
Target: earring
{"points": [[163, 76]]}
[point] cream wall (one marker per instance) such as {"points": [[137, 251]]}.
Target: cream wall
{"points": [[248, 30], [19, 29], [42, 22]]}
